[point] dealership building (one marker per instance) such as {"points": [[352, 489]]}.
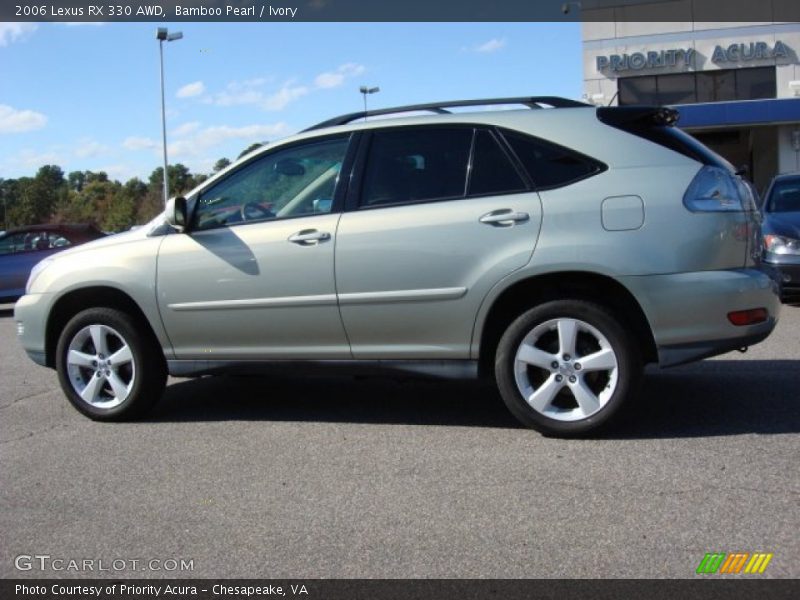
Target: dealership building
{"points": [[736, 85]]}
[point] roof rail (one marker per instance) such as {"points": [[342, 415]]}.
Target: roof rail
{"points": [[440, 108]]}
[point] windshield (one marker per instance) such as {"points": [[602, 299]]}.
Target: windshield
{"points": [[785, 196]]}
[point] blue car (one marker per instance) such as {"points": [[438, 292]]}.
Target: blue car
{"points": [[781, 229], [22, 248]]}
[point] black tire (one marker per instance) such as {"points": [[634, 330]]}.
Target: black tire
{"points": [[144, 376], [598, 330]]}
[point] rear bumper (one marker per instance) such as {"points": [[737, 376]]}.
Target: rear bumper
{"points": [[688, 312]]}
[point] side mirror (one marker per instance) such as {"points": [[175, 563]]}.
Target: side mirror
{"points": [[176, 213]]}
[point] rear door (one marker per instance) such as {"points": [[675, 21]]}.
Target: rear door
{"points": [[436, 217]]}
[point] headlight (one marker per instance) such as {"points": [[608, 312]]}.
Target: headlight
{"points": [[35, 272], [778, 244]]}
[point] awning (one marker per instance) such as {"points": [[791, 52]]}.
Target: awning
{"points": [[739, 113]]}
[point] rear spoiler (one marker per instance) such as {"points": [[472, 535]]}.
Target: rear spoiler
{"points": [[627, 117], [657, 124]]}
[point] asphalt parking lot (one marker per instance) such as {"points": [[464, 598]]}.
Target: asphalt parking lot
{"points": [[337, 477]]}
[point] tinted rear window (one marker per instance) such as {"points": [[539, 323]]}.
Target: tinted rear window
{"points": [[492, 170], [550, 165], [641, 121], [414, 165]]}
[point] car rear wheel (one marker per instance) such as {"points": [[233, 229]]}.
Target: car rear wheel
{"points": [[566, 367], [109, 369]]}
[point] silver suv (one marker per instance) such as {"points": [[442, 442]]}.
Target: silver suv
{"points": [[557, 249]]}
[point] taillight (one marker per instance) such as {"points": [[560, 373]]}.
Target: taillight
{"points": [[715, 189], [740, 318]]}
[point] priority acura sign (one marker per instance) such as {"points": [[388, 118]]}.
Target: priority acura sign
{"points": [[687, 58]]}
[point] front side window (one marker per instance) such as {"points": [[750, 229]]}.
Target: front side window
{"points": [[296, 181], [415, 165]]}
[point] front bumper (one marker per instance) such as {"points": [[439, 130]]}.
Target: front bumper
{"points": [[788, 273], [30, 314], [688, 312]]}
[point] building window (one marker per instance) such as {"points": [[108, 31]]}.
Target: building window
{"points": [[703, 86]]}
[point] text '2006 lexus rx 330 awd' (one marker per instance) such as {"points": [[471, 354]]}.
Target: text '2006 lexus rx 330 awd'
{"points": [[556, 249]]}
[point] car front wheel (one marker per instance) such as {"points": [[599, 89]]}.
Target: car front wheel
{"points": [[109, 369], [566, 367]]}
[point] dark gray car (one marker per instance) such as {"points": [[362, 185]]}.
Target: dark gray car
{"points": [[781, 231]]}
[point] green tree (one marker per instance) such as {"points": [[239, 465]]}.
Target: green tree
{"points": [[250, 148], [46, 191], [221, 164], [38, 197], [9, 192], [180, 179], [122, 211], [151, 204], [76, 180]]}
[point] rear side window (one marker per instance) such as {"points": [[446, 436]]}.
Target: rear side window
{"points": [[414, 165], [492, 170], [550, 165]]}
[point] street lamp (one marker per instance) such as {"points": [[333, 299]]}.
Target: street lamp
{"points": [[366, 91], [162, 35]]}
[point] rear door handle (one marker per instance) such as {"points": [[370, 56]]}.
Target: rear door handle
{"points": [[504, 217], [309, 237]]}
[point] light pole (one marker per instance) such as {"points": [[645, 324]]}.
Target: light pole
{"points": [[366, 91], [162, 35]]}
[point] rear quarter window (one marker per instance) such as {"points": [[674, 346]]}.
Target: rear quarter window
{"points": [[550, 165]]}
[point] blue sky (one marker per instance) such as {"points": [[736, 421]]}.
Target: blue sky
{"points": [[87, 97]]}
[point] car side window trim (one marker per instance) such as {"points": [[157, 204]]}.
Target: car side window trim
{"points": [[355, 190], [509, 155], [599, 166], [340, 189], [364, 162]]}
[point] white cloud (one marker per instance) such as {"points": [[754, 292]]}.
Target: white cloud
{"points": [[251, 91], [120, 172], [280, 99], [185, 129], [15, 32], [199, 143], [140, 143], [19, 121], [336, 78], [240, 92], [88, 148], [27, 160], [493, 45], [191, 89]]}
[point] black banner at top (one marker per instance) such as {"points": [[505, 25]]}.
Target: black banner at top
{"points": [[401, 10]]}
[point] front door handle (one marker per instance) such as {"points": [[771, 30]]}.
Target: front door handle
{"points": [[504, 217], [309, 237]]}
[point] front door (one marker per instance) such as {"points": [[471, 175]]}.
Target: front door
{"points": [[254, 276]]}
